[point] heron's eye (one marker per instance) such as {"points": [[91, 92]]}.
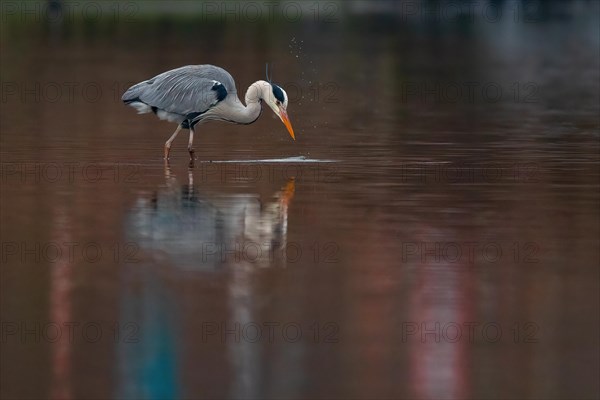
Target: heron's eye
{"points": [[278, 102]]}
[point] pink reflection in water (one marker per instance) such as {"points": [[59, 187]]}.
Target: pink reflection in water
{"points": [[441, 298], [60, 311]]}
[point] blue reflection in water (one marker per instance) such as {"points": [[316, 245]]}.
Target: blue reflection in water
{"points": [[147, 354], [172, 228]]}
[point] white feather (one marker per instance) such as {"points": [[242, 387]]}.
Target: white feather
{"points": [[141, 107], [164, 115]]}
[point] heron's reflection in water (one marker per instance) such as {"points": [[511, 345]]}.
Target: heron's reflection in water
{"points": [[196, 230], [184, 232]]}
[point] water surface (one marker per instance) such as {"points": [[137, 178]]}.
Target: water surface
{"points": [[415, 241]]}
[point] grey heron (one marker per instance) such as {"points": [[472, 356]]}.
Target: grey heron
{"points": [[197, 93]]}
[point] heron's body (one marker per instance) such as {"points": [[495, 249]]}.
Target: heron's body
{"points": [[196, 93]]}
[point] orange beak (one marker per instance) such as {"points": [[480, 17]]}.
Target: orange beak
{"points": [[286, 121]]}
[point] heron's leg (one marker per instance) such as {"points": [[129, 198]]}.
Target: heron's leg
{"points": [[191, 143], [168, 142]]}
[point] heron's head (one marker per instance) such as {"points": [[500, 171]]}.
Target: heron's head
{"points": [[277, 99]]}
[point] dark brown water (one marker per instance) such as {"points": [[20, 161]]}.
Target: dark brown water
{"points": [[432, 233]]}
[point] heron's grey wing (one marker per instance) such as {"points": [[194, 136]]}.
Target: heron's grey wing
{"points": [[214, 73], [181, 91]]}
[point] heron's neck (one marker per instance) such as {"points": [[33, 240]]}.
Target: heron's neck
{"points": [[251, 111]]}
